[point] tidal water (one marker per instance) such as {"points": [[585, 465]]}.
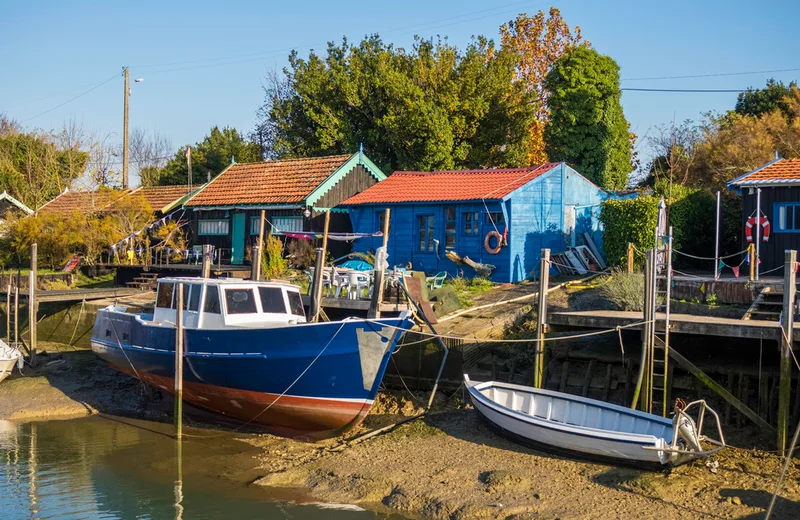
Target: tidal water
{"points": [[116, 468]]}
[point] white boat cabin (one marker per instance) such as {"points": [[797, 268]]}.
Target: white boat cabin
{"points": [[228, 303]]}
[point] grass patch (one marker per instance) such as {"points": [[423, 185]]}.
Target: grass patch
{"points": [[96, 282], [416, 429], [468, 288], [624, 290]]}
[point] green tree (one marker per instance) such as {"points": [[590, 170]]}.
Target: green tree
{"points": [[755, 102], [587, 127], [34, 169], [209, 157], [432, 107]]}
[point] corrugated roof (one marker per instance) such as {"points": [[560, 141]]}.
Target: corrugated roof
{"points": [[268, 182], [782, 171], [448, 185], [69, 202]]}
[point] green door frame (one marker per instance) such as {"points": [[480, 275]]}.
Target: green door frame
{"points": [[237, 239]]}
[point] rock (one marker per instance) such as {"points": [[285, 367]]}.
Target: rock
{"points": [[736, 501]]}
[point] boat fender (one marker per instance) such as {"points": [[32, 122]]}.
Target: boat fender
{"points": [[687, 430], [487, 241]]}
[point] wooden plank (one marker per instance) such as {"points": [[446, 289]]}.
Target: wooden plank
{"points": [[596, 252], [719, 390]]}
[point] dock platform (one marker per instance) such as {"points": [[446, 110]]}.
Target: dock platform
{"points": [[681, 324], [77, 295]]}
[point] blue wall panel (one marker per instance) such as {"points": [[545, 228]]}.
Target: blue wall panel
{"points": [[543, 213]]}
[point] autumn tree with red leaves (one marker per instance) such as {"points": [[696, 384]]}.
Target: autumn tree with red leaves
{"points": [[539, 41]]}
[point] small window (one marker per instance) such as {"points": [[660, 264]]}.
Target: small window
{"points": [[471, 223], [255, 225], [788, 218], [296, 303], [213, 227], [212, 300], [164, 297], [287, 224], [194, 297], [425, 232], [380, 216], [272, 299], [240, 301], [450, 227], [496, 217]]}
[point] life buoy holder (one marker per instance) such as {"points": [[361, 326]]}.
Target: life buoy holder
{"points": [[765, 228], [487, 242]]}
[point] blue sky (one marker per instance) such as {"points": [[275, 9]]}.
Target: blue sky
{"points": [[203, 61]]}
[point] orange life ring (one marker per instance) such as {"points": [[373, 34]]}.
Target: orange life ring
{"points": [[765, 228], [489, 249]]}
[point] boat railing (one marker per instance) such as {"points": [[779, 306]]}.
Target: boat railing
{"points": [[697, 432]]}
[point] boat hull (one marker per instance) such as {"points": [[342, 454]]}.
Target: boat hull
{"points": [[567, 436], [309, 381], [6, 367]]}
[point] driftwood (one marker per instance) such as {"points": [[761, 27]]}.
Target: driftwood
{"points": [[481, 269]]}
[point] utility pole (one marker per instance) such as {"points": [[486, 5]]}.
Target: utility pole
{"points": [[127, 74], [189, 165]]}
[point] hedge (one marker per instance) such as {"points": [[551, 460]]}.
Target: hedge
{"points": [[628, 220]]}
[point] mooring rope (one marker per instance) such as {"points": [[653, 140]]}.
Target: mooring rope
{"points": [[531, 340]]}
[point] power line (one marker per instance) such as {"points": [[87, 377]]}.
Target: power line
{"points": [[71, 99], [657, 78], [251, 57], [696, 90]]}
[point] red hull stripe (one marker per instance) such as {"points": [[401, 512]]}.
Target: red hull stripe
{"points": [[294, 416]]}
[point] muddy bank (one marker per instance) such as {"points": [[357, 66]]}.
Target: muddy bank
{"points": [[452, 466], [68, 383]]}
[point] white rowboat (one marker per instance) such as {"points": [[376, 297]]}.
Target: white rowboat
{"points": [[587, 428], [8, 358]]}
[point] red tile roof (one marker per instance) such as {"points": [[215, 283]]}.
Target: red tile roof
{"points": [[269, 182], [70, 202], [160, 196], [450, 185], [782, 171]]}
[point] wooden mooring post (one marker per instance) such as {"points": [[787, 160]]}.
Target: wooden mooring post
{"points": [[751, 255], [32, 304], [255, 263], [541, 318], [630, 257], [787, 329], [8, 315], [377, 282], [319, 266], [178, 361], [262, 220], [206, 272]]}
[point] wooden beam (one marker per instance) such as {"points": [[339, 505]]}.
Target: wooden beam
{"points": [[787, 327], [541, 318], [720, 390], [377, 284]]}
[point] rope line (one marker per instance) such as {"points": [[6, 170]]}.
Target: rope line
{"points": [[708, 257], [513, 340]]}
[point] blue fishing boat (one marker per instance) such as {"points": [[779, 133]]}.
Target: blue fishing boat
{"points": [[250, 354]]}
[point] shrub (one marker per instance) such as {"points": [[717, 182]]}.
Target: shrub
{"points": [[302, 253], [625, 291], [629, 220], [273, 265]]}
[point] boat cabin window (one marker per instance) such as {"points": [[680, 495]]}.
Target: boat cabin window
{"points": [[272, 300], [240, 301], [164, 297], [194, 297], [212, 300], [296, 303]]}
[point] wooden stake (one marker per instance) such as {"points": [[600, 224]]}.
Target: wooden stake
{"points": [[377, 284], [255, 263], [32, 304], [179, 361], [316, 286], [541, 318], [630, 257], [316, 295], [16, 315], [262, 221], [751, 253], [206, 272], [787, 329], [8, 314]]}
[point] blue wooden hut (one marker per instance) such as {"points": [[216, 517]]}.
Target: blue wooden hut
{"points": [[502, 217]]}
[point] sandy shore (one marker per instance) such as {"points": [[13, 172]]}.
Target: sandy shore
{"points": [[448, 465]]}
